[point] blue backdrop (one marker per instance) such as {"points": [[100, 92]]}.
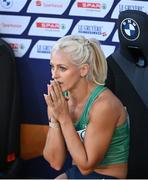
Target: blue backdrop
{"points": [[32, 27]]}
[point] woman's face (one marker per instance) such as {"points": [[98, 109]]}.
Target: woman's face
{"points": [[64, 71]]}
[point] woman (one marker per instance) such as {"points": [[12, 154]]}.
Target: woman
{"points": [[90, 121]]}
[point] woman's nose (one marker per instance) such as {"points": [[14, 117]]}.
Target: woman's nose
{"points": [[55, 74]]}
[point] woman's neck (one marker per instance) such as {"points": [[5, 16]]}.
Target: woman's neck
{"points": [[80, 94]]}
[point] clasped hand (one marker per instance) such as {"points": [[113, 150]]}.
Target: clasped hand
{"points": [[57, 106]]}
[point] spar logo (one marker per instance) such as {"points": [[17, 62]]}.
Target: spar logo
{"points": [[53, 27], [6, 3], [16, 46], [50, 26], [89, 8], [91, 5], [38, 3], [19, 46]]}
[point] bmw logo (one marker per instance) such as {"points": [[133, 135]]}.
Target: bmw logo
{"points": [[130, 29], [6, 3]]}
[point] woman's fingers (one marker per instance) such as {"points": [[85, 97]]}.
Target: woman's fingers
{"points": [[54, 98], [60, 95], [48, 100], [56, 90], [51, 92], [48, 88]]}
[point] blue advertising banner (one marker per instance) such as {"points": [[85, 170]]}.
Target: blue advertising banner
{"points": [[32, 27]]}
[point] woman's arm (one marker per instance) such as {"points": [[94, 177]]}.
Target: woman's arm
{"points": [[97, 139], [102, 122], [54, 151]]}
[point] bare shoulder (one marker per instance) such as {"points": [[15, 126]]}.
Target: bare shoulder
{"points": [[107, 107]]}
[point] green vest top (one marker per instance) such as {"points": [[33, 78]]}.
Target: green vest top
{"points": [[119, 148]]}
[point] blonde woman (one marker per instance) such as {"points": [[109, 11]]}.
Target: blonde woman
{"points": [[90, 121]]}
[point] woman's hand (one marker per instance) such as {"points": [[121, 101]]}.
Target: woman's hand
{"points": [[57, 105], [47, 99]]}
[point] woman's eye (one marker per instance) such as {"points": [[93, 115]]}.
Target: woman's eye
{"points": [[63, 69]]}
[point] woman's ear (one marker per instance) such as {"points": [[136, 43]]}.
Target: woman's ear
{"points": [[84, 70]]}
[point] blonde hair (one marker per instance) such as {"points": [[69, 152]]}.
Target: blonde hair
{"points": [[85, 51]]}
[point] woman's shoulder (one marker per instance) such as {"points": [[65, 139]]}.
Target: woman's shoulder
{"points": [[107, 103], [108, 99]]}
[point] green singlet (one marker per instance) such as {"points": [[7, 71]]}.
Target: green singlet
{"points": [[119, 148]]}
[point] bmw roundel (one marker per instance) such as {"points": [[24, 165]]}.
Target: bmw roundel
{"points": [[6, 3], [130, 29]]}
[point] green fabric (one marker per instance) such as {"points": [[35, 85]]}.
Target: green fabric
{"points": [[119, 147], [83, 121]]}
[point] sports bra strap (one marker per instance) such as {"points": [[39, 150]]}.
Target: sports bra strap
{"points": [[83, 121]]}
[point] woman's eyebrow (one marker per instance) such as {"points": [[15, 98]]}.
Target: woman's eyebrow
{"points": [[58, 64]]}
